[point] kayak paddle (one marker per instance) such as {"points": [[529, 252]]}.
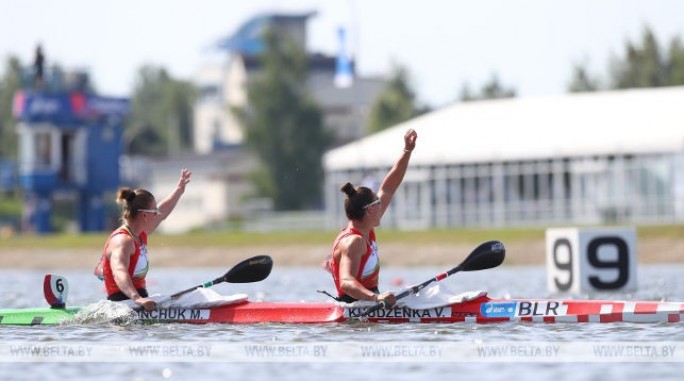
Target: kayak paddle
{"points": [[250, 270], [486, 256]]}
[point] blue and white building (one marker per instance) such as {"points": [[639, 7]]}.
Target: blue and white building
{"points": [[345, 99]]}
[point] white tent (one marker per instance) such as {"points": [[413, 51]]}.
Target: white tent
{"points": [[583, 158], [631, 121]]}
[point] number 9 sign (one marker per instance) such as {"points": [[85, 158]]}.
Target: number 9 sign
{"points": [[581, 260]]}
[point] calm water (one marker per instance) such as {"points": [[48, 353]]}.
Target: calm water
{"points": [[22, 288]]}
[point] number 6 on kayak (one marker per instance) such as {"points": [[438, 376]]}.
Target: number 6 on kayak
{"points": [[55, 290]]}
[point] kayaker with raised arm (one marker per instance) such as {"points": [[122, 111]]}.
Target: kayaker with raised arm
{"points": [[354, 262], [124, 262]]}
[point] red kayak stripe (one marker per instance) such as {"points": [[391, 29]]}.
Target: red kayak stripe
{"points": [[646, 308]]}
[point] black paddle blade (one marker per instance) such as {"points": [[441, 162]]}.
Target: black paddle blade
{"points": [[487, 255], [250, 270]]}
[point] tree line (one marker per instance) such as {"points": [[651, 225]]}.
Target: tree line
{"points": [[644, 63]]}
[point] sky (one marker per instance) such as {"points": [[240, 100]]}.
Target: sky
{"points": [[531, 45]]}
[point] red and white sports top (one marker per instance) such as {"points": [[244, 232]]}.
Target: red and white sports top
{"points": [[369, 268], [137, 267]]}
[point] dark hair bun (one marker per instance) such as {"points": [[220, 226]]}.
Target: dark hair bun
{"points": [[126, 194], [348, 189]]}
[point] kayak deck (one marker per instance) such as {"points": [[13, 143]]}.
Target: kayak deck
{"points": [[37, 316], [479, 310]]}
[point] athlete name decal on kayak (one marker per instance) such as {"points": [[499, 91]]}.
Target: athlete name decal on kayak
{"points": [[400, 313], [174, 314], [550, 308]]}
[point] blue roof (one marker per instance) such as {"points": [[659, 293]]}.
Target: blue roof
{"points": [[247, 39]]}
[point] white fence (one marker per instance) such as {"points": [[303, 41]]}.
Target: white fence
{"points": [[638, 189]]}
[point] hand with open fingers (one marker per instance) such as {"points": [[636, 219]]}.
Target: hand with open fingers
{"points": [[184, 178], [410, 140], [388, 299], [147, 304]]}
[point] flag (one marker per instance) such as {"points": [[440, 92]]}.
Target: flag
{"points": [[343, 71]]}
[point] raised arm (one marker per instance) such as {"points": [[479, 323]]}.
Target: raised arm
{"points": [[396, 175], [167, 205]]}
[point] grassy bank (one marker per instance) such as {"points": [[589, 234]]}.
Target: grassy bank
{"points": [[246, 239], [662, 244]]}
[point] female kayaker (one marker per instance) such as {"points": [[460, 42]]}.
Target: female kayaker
{"points": [[354, 262], [124, 262]]}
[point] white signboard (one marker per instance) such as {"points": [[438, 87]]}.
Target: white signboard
{"points": [[582, 260]]}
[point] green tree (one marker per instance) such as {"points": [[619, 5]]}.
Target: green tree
{"points": [[490, 90], [675, 63], [582, 81], [643, 64], [495, 90], [161, 114], [284, 127], [395, 104], [10, 83]]}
